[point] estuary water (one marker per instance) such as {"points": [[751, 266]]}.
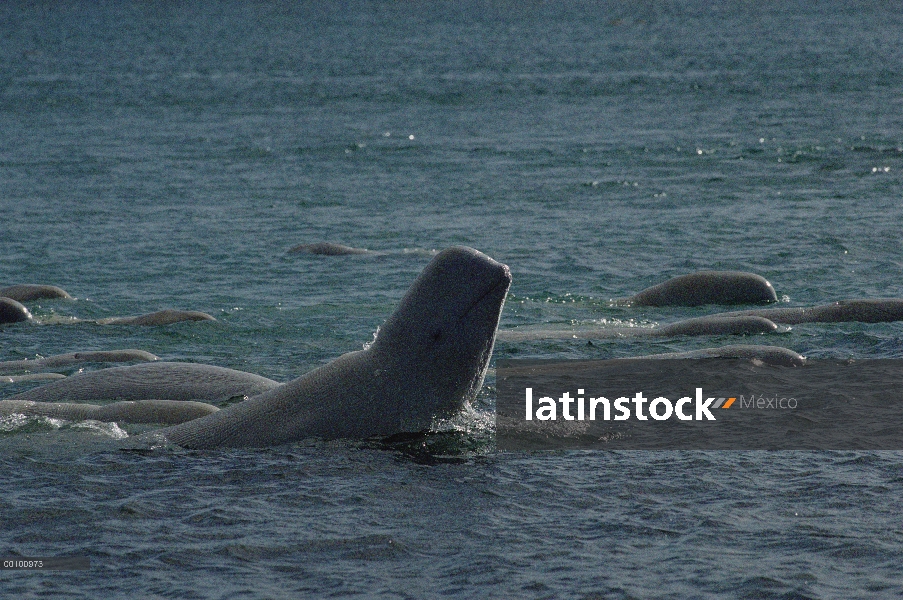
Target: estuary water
{"points": [[167, 155]]}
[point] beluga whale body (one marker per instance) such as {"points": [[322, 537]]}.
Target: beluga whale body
{"points": [[12, 311], [25, 292], [327, 249], [428, 359], [176, 381], [876, 310], [716, 325], [707, 287]]}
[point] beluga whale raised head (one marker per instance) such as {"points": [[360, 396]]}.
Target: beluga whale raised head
{"points": [[428, 359]]}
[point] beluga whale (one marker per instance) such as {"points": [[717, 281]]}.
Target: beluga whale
{"points": [[25, 292], [707, 287], [867, 310], [327, 249], [428, 360], [12, 311], [716, 325]]}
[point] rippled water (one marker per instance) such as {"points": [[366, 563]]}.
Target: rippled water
{"points": [[154, 156]]}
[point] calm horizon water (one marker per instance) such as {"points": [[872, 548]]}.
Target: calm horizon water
{"points": [[168, 155]]}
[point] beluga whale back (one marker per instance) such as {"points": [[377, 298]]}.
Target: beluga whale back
{"points": [[11, 311], [429, 359], [707, 287]]}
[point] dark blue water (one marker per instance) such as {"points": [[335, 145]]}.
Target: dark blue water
{"points": [[155, 155]]}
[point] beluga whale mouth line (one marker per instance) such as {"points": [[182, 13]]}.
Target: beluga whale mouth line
{"points": [[502, 284]]}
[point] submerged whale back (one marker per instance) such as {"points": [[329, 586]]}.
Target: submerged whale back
{"points": [[12, 311], [154, 380], [25, 292], [878, 310], [708, 287], [165, 412]]}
